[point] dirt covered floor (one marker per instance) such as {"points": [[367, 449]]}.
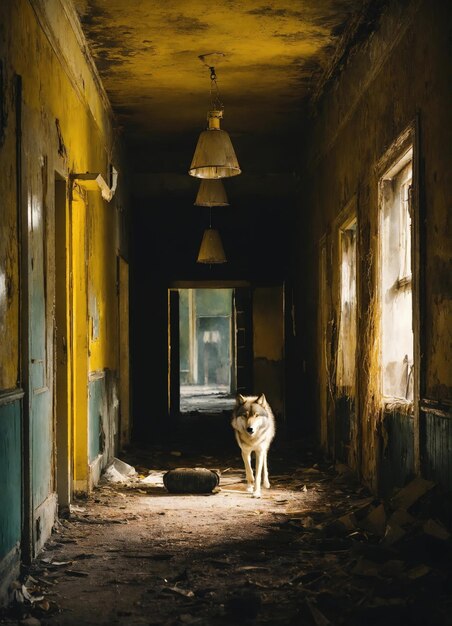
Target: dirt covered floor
{"points": [[317, 549]]}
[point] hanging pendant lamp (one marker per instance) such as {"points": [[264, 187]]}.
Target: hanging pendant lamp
{"points": [[214, 155], [211, 192], [211, 250]]}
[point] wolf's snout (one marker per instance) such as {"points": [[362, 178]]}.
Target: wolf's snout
{"points": [[249, 429]]}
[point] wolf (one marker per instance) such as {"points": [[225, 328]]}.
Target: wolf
{"points": [[254, 429]]}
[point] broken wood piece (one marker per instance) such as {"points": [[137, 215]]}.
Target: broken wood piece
{"points": [[182, 592], [436, 529], [77, 573], [375, 521], [393, 533], [409, 494]]}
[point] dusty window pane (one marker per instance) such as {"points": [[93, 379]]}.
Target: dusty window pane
{"points": [[397, 303], [347, 321]]}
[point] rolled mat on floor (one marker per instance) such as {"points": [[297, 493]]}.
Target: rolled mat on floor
{"points": [[191, 480]]}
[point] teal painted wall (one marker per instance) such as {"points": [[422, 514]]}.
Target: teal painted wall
{"points": [[42, 448], [10, 476]]}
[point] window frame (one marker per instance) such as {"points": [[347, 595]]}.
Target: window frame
{"points": [[409, 137], [399, 163]]}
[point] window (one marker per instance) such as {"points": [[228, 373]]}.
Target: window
{"points": [[396, 281], [345, 373]]}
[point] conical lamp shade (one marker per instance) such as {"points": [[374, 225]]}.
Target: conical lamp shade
{"points": [[211, 250], [214, 156], [211, 192]]}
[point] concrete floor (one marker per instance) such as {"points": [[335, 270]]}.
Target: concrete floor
{"points": [[312, 551], [206, 398]]}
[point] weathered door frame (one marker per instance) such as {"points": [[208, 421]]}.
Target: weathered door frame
{"points": [[269, 360], [173, 356], [64, 435], [124, 354], [347, 216], [322, 343], [242, 354], [173, 336], [78, 320]]}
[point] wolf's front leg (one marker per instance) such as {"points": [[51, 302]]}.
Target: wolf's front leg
{"points": [[266, 482], [259, 464], [246, 456]]}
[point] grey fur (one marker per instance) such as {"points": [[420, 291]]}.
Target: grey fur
{"points": [[254, 428]]}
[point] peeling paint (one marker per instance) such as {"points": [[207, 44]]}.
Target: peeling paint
{"points": [[61, 146], [3, 104], [93, 312], [9, 241]]}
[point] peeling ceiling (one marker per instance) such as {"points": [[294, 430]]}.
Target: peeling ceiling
{"points": [[272, 56]]}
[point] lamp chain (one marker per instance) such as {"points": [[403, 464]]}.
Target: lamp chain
{"points": [[215, 100]]}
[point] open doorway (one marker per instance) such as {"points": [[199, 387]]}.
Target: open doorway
{"points": [[224, 339], [207, 348]]}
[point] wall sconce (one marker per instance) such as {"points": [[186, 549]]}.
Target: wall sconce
{"points": [[214, 155], [94, 181]]}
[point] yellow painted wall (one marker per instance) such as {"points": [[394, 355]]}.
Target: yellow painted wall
{"points": [[79, 340], [70, 119], [9, 259], [102, 284]]}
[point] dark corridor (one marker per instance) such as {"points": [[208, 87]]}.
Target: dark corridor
{"points": [[296, 154]]}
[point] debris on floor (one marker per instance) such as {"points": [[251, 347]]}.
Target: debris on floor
{"points": [[318, 549], [118, 471]]}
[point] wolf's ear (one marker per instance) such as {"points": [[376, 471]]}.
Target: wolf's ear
{"points": [[240, 399], [261, 400]]}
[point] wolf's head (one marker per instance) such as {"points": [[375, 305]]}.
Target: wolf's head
{"points": [[251, 412]]}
